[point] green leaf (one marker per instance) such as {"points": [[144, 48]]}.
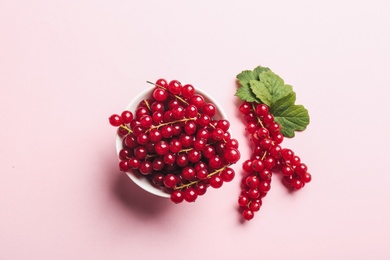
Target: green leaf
{"points": [[247, 75], [291, 119], [245, 93], [259, 69], [275, 85], [261, 92], [283, 103]]}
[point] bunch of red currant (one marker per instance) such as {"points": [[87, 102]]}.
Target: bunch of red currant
{"points": [[176, 140], [268, 157]]}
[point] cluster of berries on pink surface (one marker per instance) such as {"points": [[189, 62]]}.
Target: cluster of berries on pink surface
{"points": [[267, 157], [176, 139]]}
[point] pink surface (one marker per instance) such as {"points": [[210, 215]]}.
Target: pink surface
{"points": [[65, 66]]}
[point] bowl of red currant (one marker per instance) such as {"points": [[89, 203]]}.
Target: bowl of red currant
{"points": [[173, 140]]}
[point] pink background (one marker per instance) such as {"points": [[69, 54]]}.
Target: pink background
{"points": [[65, 66]]}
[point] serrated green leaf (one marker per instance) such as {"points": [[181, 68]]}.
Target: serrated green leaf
{"points": [[294, 118], [283, 103], [258, 70], [261, 92], [275, 85], [245, 93], [245, 76]]}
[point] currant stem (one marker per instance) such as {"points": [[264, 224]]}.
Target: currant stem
{"points": [[125, 127], [176, 96], [147, 104], [169, 123], [195, 182], [258, 118]]}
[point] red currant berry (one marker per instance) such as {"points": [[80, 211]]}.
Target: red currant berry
{"points": [[194, 156], [297, 184], [175, 145], [139, 112], [301, 169], [216, 181], [177, 196], [200, 144], [265, 175], [231, 155], [155, 135], [268, 119], [215, 162], [247, 166], [115, 120], [264, 186], [134, 163], [158, 179], [253, 193], [182, 160], [157, 106], [158, 164], [123, 165], [198, 101], [278, 138], [208, 151], [188, 173], [202, 174], [174, 87], [252, 181], [162, 147], [187, 91], [248, 214], [217, 134], [269, 162], [251, 127], [190, 194], [223, 124], [231, 143], [190, 128], [157, 117], [262, 110], [170, 180], [255, 205], [287, 154], [160, 94], [306, 177], [169, 158], [143, 139], [287, 170], [245, 108], [209, 109], [200, 188], [127, 116], [191, 111], [203, 120], [140, 152], [243, 200], [146, 167], [262, 133], [186, 140], [227, 174], [178, 112], [162, 83], [257, 165]]}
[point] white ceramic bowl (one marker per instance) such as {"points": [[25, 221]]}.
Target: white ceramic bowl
{"points": [[137, 178]]}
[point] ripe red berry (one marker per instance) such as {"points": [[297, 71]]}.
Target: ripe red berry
{"points": [[127, 116], [115, 120]]}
